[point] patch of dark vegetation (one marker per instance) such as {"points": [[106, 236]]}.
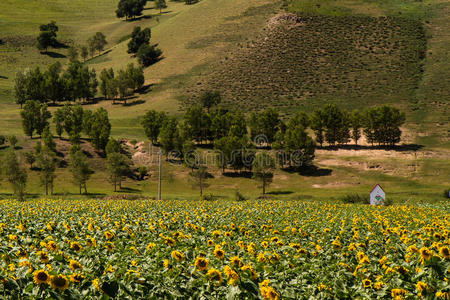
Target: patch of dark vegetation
{"points": [[351, 60], [356, 198]]}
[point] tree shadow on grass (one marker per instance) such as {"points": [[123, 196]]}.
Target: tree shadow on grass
{"points": [[280, 192], [399, 148], [310, 171], [54, 54], [3, 77], [243, 174], [134, 102], [130, 190]]}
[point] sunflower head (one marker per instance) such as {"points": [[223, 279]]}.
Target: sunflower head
{"points": [[43, 257], [59, 282], [41, 277], [367, 283], [201, 263], [425, 253], [219, 253], [215, 275], [444, 252], [76, 277], [74, 265], [76, 246], [177, 255]]}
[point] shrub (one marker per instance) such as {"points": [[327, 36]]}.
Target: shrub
{"points": [[355, 198], [238, 196]]}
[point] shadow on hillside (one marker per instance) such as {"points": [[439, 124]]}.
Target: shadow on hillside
{"points": [[54, 54], [242, 174], [60, 45], [143, 17], [129, 190], [310, 171], [145, 89], [3, 77], [134, 102], [280, 192], [399, 148]]}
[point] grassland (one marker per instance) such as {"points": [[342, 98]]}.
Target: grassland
{"points": [[201, 40]]}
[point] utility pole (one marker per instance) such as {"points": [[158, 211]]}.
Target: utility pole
{"points": [[159, 174]]}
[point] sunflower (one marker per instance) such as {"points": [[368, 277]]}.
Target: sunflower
{"points": [[201, 263], [76, 277], [177, 255], [74, 265], [215, 275], [210, 242], [219, 253], [398, 293], [43, 257], [421, 286], [41, 277], [236, 261], [367, 283], [444, 252], [109, 235], [52, 246], [76, 246], [59, 282], [272, 294], [443, 295], [425, 253]]}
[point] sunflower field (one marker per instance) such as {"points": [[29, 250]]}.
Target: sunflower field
{"points": [[221, 249]]}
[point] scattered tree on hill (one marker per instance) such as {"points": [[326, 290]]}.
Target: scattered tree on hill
{"points": [[12, 140], [152, 123], [117, 168], [382, 125], [48, 139], [138, 38], [130, 8], [197, 123], [113, 146], [54, 86], [98, 128], [20, 88], [2, 140], [15, 174], [84, 52], [160, 4], [79, 167], [198, 178], [72, 53], [169, 137], [34, 117], [97, 42], [47, 164], [58, 120], [30, 158], [107, 82], [210, 99], [148, 55], [263, 167], [318, 126], [47, 36]]}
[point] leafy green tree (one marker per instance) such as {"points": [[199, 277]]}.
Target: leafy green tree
{"points": [[113, 146], [50, 27], [58, 120], [42, 119], [318, 126], [84, 52], [48, 139], [296, 146], [30, 158], [15, 174], [300, 118], [130, 8], [29, 114], [12, 140], [198, 123], [138, 38], [106, 79], [53, 83], [265, 125], [47, 164], [152, 123], [230, 153], [169, 136], [263, 168], [118, 166], [100, 41], [45, 40], [72, 53], [79, 167], [99, 129], [135, 77], [160, 4], [35, 85], [2, 140], [20, 87], [209, 99], [148, 55], [199, 177], [191, 158], [356, 123]]}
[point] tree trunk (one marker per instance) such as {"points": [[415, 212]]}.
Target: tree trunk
{"points": [[85, 188], [80, 188], [264, 187], [46, 188]]}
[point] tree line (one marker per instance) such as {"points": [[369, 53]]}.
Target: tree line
{"points": [[77, 82]]}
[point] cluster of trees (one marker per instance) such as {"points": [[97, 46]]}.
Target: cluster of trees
{"points": [[47, 36], [97, 42], [140, 45], [125, 83], [336, 126], [130, 9], [228, 133], [55, 84]]}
